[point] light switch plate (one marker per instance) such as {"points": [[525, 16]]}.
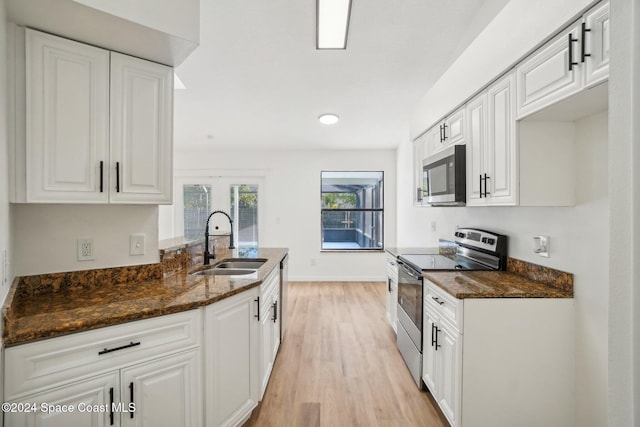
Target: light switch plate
{"points": [[136, 244], [541, 245]]}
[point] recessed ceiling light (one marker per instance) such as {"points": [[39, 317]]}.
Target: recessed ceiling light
{"points": [[332, 23], [328, 119]]}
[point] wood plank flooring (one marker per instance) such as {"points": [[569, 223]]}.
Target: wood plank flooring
{"points": [[339, 366]]}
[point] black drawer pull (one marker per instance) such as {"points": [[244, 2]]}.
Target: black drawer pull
{"points": [[436, 299], [132, 401], [257, 316], [111, 406], [109, 350]]}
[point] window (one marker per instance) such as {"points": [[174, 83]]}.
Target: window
{"points": [[239, 197], [352, 210]]}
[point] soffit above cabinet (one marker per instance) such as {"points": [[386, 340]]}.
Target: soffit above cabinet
{"points": [[166, 35]]}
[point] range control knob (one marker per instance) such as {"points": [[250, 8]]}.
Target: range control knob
{"points": [[488, 240], [459, 234]]}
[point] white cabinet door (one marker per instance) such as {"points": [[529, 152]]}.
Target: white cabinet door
{"points": [[500, 183], [454, 129], [596, 42], [275, 326], [231, 354], [141, 131], [449, 369], [476, 148], [266, 343], [429, 355], [98, 392], [418, 156], [164, 392], [67, 98], [550, 74]]}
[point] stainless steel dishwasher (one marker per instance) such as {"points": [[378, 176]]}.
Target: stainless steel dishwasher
{"points": [[284, 294]]}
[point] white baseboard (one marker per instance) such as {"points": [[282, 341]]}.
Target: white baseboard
{"points": [[337, 278]]}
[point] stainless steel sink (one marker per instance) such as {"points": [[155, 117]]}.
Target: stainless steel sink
{"points": [[241, 264], [226, 272]]}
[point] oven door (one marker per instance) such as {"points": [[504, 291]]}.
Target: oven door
{"points": [[410, 302]]}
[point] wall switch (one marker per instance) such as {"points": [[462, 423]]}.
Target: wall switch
{"points": [[85, 249], [136, 244]]}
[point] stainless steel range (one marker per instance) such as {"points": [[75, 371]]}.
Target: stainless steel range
{"points": [[473, 249]]}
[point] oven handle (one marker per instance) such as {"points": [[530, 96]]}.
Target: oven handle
{"points": [[410, 271]]}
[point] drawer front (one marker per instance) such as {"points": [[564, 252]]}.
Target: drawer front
{"points": [[55, 361], [445, 305], [268, 289]]}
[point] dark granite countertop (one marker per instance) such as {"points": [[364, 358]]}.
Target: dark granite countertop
{"points": [[31, 317], [494, 284]]}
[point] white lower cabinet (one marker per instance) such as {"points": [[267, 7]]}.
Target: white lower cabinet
{"points": [[52, 408], [163, 392], [143, 373], [499, 362], [392, 291], [231, 368], [269, 327]]}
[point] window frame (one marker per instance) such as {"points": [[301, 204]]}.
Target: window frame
{"points": [[373, 197]]}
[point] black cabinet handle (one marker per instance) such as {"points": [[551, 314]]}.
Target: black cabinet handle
{"points": [[117, 177], [436, 299], [101, 176], [444, 132], [485, 184], [389, 285], [572, 40], [111, 406], [441, 133], [109, 350], [583, 45], [275, 311], [437, 345], [481, 186], [257, 316], [131, 406], [433, 334]]}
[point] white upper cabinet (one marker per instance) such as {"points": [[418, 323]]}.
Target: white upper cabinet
{"points": [[141, 130], [448, 132], [597, 25], [492, 146], [575, 59], [90, 126], [67, 116]]}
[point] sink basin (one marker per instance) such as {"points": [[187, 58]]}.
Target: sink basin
{"points": [[226, 272], [241, 264]]}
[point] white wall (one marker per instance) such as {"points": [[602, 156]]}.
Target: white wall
{"points": [[292, 205], [44, 236], [515, 31], [5, 242]]}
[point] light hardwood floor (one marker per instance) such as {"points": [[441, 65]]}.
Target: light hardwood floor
{"points": [[339, 366]]}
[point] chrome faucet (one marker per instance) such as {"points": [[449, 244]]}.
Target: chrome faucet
{"points": [[207, 255]]}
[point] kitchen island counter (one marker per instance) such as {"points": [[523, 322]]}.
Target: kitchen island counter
{"points": [[92, 299]]}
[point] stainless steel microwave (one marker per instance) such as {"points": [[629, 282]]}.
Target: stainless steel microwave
{"points": [[444, 177]]}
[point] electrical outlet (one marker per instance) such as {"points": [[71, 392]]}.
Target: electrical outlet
{"points": [[85, 249], [136, 244]]}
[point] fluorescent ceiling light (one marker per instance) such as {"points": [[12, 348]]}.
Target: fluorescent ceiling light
{"points": [[328, 119], [177, 83], [332, 23]]}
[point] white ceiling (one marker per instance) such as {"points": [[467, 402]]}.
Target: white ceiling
{"points": [[257, 82]]}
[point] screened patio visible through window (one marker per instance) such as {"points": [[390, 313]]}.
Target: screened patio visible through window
{"points": [[352, 210]]}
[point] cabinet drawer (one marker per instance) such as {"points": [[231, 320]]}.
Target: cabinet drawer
{"points": [[34, 366], [268, 289], [445, 305]]}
